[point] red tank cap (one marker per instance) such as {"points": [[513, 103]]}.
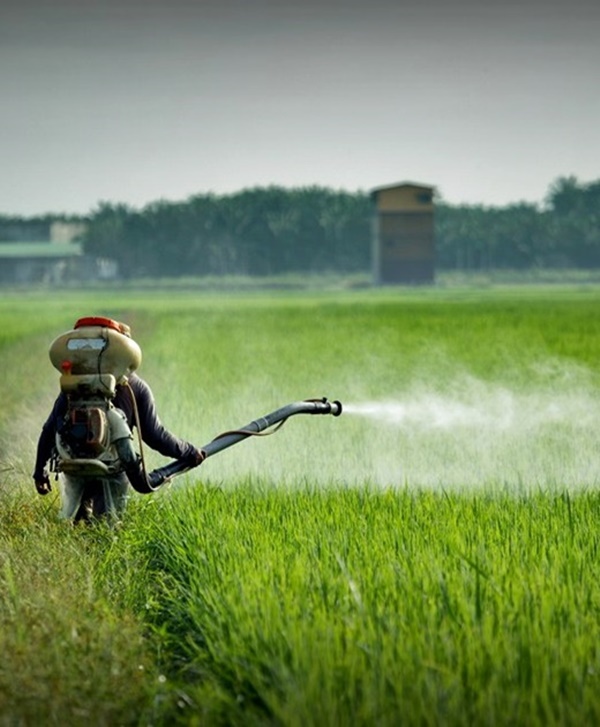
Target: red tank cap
{"points": [[98, 321], [66, 366]]}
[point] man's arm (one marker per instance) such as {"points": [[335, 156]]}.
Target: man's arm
{"points": [[45, 446], [154, 434]]}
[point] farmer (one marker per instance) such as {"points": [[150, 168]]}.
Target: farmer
{"points": [[86, 496]]}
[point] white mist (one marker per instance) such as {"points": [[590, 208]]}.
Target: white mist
{"points": [[480, 434]]}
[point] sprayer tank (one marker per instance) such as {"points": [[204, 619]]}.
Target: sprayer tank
{"points": [[95, 350]]}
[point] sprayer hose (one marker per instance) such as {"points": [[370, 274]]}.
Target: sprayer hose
{"points": [[136, 416]]}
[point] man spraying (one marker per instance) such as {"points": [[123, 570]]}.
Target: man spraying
{"points": [[88, 435]]}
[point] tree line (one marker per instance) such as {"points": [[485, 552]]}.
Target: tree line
{"points": [[272, 230], [563, 232], [262, 231]]}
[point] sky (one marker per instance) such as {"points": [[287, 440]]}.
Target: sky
{"points": [[132, 102]]}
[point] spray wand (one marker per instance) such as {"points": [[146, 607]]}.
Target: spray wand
{"points": [[257, 427]]}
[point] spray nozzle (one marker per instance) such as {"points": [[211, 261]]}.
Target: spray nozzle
{"points": [[336, 408]]}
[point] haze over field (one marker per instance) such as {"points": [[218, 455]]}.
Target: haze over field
{"points": [[136, 101], [479, 433]]}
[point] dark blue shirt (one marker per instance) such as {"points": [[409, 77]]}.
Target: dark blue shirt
{"points": [[152, 430]]}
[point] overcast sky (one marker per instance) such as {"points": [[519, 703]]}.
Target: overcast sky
{"points": [[132, 102]]}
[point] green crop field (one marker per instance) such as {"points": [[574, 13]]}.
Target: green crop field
{"points": [[431, 557]]}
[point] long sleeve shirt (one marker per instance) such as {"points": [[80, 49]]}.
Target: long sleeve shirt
{"points": [[152, 430]]}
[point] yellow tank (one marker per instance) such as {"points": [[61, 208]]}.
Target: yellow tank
{"points": [[96, 349]]}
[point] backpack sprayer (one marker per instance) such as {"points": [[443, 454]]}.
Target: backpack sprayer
{"points": [[95, 439]]}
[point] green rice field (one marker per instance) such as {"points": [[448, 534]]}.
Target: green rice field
{"points": [[431, 557]]}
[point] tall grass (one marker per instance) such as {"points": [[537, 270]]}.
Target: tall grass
{"points": [[70, 652], [354, 606], [429, 559]]}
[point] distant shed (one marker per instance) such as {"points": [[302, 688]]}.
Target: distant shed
{"points": [[403, 239], [32, 262]]}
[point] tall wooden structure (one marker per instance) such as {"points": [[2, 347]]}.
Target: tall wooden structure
{"points": [[403, 238]]}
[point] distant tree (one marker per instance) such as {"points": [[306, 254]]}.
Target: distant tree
{"points": [[574, 209], [462, 237], [109, 235]]}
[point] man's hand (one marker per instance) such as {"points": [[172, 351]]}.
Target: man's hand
{"points": [[196, 457], [42, 483]]}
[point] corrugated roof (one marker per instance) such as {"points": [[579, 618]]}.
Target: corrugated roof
{"points": [[416, 185], [39, 250]]}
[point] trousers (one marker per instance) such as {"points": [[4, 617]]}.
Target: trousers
{"points": [[86, 498]]}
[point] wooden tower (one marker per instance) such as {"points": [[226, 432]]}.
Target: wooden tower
{"points": [[403, 239]]}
